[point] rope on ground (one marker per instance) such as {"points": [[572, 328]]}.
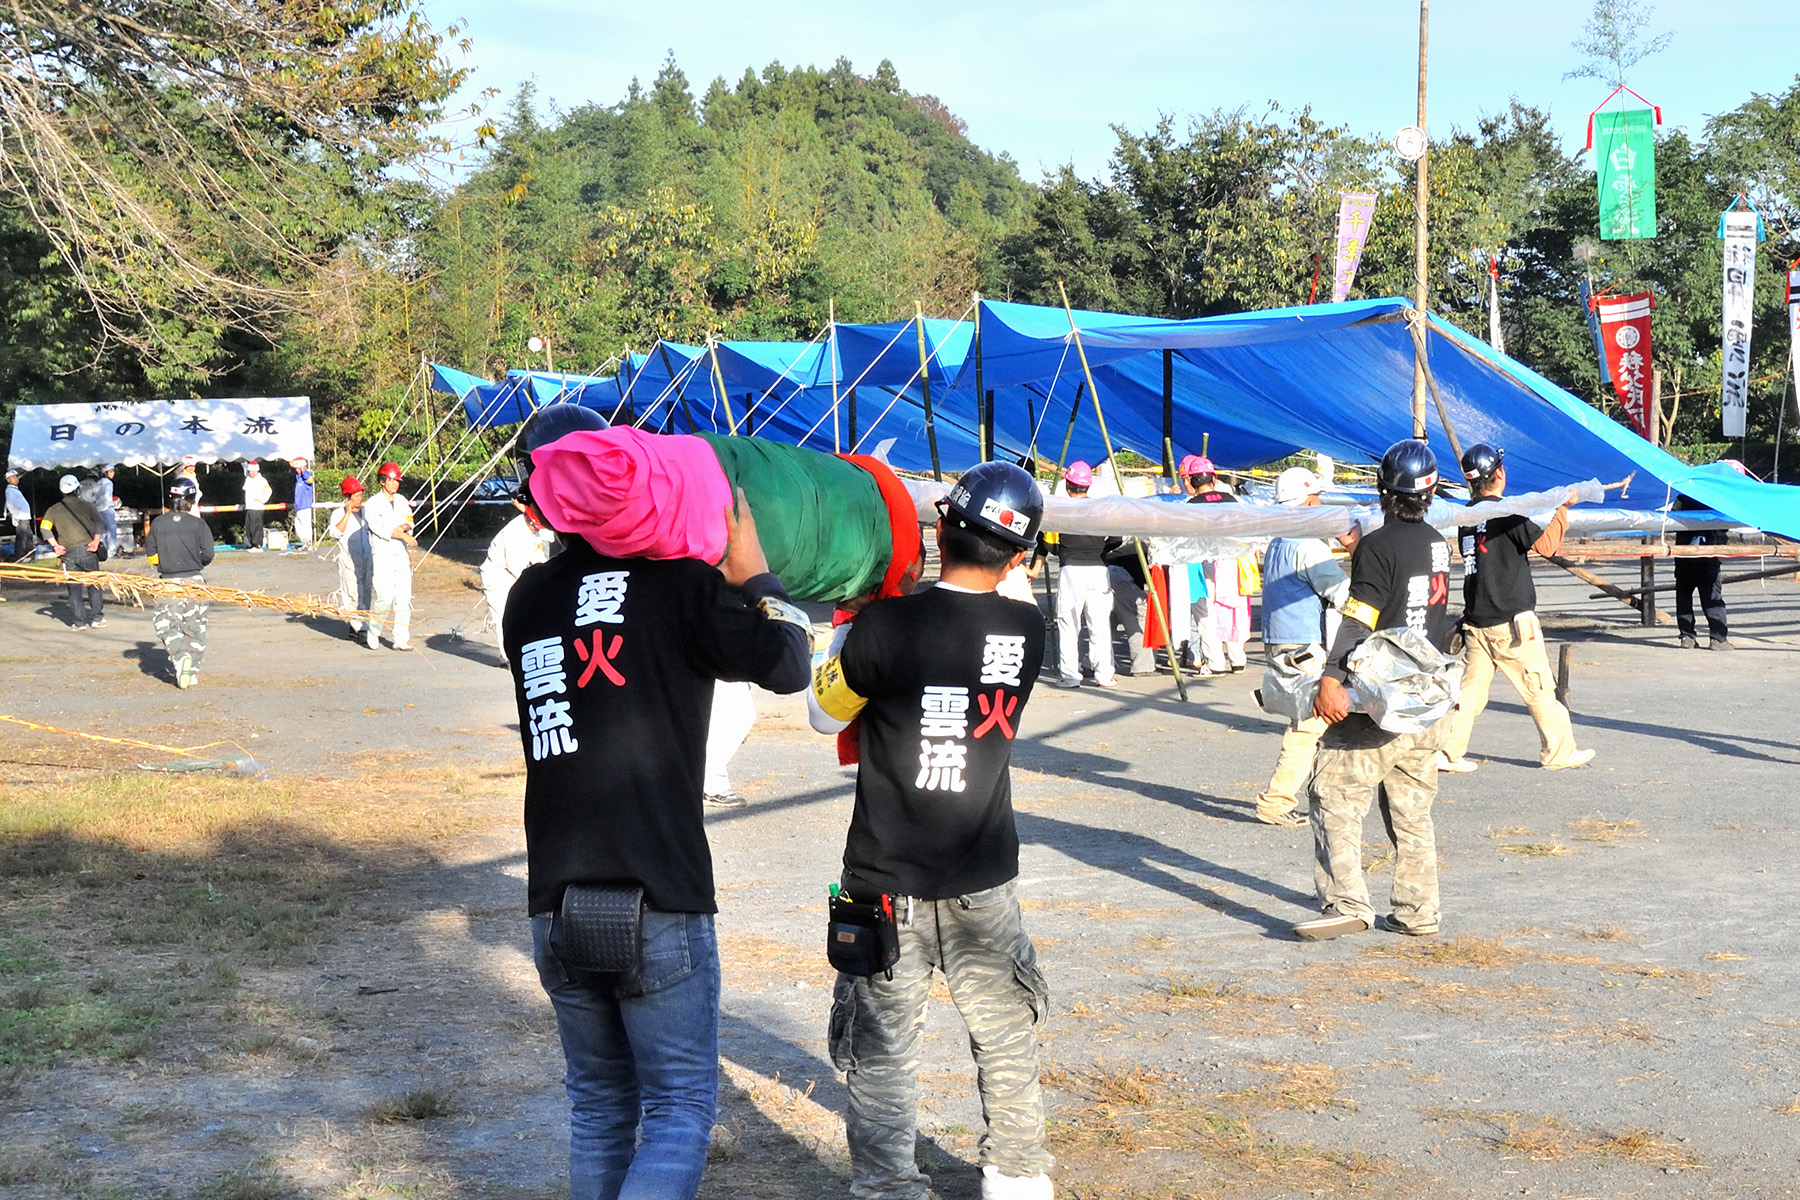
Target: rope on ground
{"points": [[189, 752]]}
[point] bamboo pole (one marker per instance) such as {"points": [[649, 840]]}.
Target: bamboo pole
{"points": [[1746, 577], [937, 471], [712, 348], [1420, 242], [1168, 424], [1156, 604], [1062, 460], [984, 417], [1608, 589]]}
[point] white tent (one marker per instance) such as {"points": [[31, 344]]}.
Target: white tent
{"points": [[161, 432]]}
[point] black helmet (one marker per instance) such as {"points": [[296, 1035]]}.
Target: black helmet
{"points": [[1408, 468], [1001, 499], [1481, 460], [546, 425], [182, 493]]}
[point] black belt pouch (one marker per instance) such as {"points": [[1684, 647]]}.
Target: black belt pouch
{"points": [[862, 939], [601, 930]]}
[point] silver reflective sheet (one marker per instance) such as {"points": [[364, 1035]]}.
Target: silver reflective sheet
{"points": [[1402, 681], [1291, 682]]}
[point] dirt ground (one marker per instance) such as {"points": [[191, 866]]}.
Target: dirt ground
{"points": [[1609, 1011]]}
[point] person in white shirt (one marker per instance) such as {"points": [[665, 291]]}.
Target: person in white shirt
{"points": [[523, 542], [389, 517], [256, 497], [108, 506], [18, 511], [355, 568]]}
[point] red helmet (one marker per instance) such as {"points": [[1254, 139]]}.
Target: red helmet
{"points": [[351, 485], [389, 470]]}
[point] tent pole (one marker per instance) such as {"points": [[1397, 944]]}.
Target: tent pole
{"points": [[675, 382], [1443, 413], [1168, 430], [1062, 459], [984, 424], [850, 415], [937, 471], [837, 443], [1156, 605], [1421, 243], [712, 346]]}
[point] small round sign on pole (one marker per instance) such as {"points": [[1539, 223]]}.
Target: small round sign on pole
{"points": [[1409, 143]]}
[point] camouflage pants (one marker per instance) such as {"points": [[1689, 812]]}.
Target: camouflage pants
{"points": [[1359, 765], [878, 1025], [180, 623]]}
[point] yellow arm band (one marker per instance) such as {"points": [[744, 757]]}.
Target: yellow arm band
{"points": [[151, 559], [1368, 614], [834, 696]]}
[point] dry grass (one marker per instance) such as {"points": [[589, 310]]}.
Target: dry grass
{"points": [[1598, 829], [1467, 951], [1179, 1146], [131, 905], [424, 1103], [1551, 1139], [1308, 1087], [1534, 849]]}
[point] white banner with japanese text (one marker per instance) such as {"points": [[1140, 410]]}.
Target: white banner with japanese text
{"points": [[161, 432], [1793, 306], [1739, 229]]}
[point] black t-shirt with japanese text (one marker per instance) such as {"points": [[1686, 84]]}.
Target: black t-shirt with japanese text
{"points": [[946, 673], [1497, 582], [1399, 578], [1213, 498], [613, 664]]}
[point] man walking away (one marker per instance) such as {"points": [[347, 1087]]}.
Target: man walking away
{"points": [[939, 680], [180, 547], [613, 664], [1083, 591], [18, 512], [1501, 631], [1700, 576], [1399, 579], [72, 527], [256, 497], [1300, 579]]}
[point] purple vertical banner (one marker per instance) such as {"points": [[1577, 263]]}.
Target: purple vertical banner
{"points": [[1355, 210]]}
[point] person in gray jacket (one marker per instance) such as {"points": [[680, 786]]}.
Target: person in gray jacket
{"points": [[180, 546]]}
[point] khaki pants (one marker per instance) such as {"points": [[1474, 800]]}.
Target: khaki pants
{"points": [[1360, 766], [1526, 665], [1298, 746]]}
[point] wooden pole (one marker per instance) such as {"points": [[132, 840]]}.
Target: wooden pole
{"points": [[850, 417], [937, 472], [1156, 604], [1617, 593], [1062, 460], [1168, 428], [712, 346], [837, 444], [1420, 245], [984, 430], [1745, 577], [1444, 416]]}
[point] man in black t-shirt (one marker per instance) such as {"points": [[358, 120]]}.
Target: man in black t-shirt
{"points": [[613, 663], [1399, 579], [939, 681], [1501, 632]]}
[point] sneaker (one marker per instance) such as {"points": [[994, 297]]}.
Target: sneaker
{"points": [[1289, 819], [373, 643], [1328, 925], [1688, 642], [1421, 929], [1069, 682], [398, 646], [1236, 667], [1580, 758], [98, 623], [995, 1186], [184, 672], [79, 628], [1715, 644], [725, 800], [1456, 766], [1108, 683]]}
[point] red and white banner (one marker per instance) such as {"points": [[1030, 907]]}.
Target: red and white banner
{"points": [[1625, 332]]}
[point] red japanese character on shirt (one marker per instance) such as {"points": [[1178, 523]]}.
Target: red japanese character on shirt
{"points": [[600, 658]]}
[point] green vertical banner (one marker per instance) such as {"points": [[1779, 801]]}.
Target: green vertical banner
{"points": [[1625, 156]]}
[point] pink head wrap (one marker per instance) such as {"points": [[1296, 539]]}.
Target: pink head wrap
{"points": [[633, 494]]}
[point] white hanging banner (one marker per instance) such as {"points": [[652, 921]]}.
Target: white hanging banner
{"points": [[1739, 229], [161, 432], [1793, 305], [1495, 339]]}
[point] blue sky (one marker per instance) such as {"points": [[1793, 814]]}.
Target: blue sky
{"points": [[1044, 81]]}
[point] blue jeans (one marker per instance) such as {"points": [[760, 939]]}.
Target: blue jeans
{"points": [[645, 1064]]}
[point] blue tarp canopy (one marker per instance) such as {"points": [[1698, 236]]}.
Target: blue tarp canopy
{"points": [[1335, 378]]}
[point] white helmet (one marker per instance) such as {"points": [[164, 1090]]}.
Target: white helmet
{"points": [[68, 484], [1295, 484]]}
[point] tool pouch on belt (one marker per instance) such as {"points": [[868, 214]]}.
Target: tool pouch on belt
{"points": [[601, 930], [862, 939]]}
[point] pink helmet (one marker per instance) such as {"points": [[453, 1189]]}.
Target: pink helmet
{"points": [[1079, 475], [1195, 464]]}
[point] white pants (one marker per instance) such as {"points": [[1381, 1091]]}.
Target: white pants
{"points": [[354, 587], [1084, 598], [733, 713], [303, 526], [391, 582]]}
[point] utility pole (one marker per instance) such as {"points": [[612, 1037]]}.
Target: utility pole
{"points": [[1419, 242]]}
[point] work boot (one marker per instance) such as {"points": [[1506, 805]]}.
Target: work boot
{"points": [[1329, 924], [1689, 642], [725, 800]]}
